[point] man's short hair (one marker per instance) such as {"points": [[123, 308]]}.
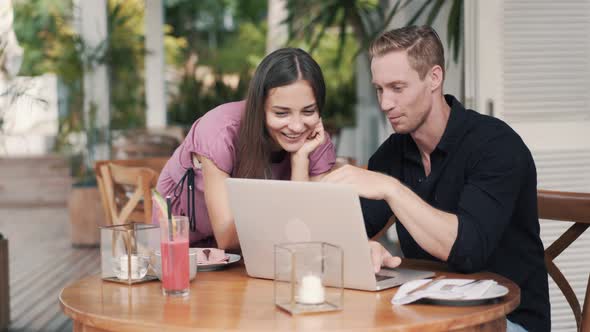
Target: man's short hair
{"points": [[421, 43]]}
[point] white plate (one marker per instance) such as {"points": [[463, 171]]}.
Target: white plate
{"points": [[495, 291], [218, 266]]}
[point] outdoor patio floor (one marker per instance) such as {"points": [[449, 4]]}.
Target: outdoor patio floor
{"points": [[42, 262]]}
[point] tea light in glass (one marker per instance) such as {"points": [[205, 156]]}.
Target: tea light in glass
{"points": [[308, 277], [126, 250], [138, 266], [311, 290]]}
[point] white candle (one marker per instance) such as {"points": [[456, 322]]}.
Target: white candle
{"points": [[135, 268], [311, 290]]}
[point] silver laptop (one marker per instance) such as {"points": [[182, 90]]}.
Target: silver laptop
{"points": [[268, 212]]}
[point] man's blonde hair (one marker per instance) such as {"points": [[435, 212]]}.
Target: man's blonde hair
{"points": [[421, 43]]}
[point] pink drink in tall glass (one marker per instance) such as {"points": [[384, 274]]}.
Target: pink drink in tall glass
{"points": [[175, 269], [175, 257]]}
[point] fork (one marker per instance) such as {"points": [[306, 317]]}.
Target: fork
{"points": [[451, 287], [426, 285]]}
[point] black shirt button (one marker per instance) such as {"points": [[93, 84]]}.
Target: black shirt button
{"points": [[420, 180]]}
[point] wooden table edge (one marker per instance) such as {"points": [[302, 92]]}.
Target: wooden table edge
{"points": [[92, 322]]}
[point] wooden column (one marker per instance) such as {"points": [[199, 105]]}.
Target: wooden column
{"points": [[277, 34], [4, 285], [91, 20]]}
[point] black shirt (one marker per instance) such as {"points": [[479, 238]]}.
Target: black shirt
{"points": [[481, 171]]}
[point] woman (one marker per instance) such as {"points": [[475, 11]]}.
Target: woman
{"points": [[276, 133]]}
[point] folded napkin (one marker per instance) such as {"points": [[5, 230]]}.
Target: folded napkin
{"points": [[444, 289], [211, 256]]}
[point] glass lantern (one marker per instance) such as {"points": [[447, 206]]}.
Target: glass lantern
{"points": [[126, 251], [308, 277]]}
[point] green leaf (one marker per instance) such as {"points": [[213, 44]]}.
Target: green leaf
{"points": [[419, 13], [454, 29], [341, 40], [323, 28], [434, 12]]}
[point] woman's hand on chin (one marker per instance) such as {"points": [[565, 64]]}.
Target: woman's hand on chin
{"points": [[316, 138]]}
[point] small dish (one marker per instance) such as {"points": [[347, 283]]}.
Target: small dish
{"points": [[232, 258], [192, 263]]}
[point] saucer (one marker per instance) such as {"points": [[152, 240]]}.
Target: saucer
{"points": [[232, 258], [496, 291]]}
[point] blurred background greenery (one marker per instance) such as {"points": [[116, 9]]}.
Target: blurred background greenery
{"points": [[212, 48]]}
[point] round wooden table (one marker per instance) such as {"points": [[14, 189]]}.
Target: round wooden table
{"points": [[231, 301]]}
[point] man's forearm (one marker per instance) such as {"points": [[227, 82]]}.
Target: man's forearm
{"points": [[434, 230]]}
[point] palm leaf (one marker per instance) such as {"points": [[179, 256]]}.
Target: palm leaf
{"points": [[419, 13], [328, 22], [361, 15], [367, 41], [454, 29], [434, 11], [341, 39]]}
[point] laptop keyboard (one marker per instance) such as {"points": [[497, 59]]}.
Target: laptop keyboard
{"points": [[386, 274], [382, 277]]}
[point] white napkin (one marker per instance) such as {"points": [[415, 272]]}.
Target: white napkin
{"points": [[444, 289]]}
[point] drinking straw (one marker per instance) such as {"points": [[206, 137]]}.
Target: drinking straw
{"points": [[170, 225]]}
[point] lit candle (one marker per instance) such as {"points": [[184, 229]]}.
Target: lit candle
{"points": [[311, 290]]}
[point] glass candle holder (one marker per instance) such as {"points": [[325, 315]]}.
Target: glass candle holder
{"points": [[308, 277], [126, 251]]}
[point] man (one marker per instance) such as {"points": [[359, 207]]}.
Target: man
{"points": [[462, 185]]}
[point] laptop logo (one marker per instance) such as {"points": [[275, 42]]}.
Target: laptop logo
{"points": [[297, 231]]}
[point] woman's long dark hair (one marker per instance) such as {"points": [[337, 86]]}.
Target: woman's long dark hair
{"points": [[281, 67]]}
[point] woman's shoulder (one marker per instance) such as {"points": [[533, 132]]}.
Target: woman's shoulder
{"points": [[227, 113], [225, 118], [214, 134], [220, 124]]}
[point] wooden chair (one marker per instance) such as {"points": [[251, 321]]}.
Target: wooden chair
{"points": [[156, 163], [115, 179], [569, 207]]}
